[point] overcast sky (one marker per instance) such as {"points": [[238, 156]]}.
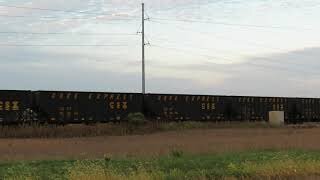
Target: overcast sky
{"points": [[225, 47]]}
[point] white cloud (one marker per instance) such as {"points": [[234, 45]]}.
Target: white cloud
{"points": [[285, 62]]}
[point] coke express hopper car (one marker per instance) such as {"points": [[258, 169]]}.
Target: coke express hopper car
{"points": [[67, 107], [15, 106], [77, 107]]}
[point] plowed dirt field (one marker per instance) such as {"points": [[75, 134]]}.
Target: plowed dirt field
{"points": [[191, 141]]}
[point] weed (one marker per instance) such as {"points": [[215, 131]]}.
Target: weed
{"points": [[136, 124], [176, 153], [136, 119], [246, 165]]}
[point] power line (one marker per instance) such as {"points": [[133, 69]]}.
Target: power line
{"points": [[190, 52], [266, 59], [184, 6], [250, 43], [71, 33], [44, 17], [261, 66], [49, 9], [248, 63], [64, 45], [15, 16], [209, 21], [131, 18], [66, 11], [44, 9]]}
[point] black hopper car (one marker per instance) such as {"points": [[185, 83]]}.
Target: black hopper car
{"points": [[66, 107]]}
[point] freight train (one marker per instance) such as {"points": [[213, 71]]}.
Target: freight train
{"points": [[67, 107]]}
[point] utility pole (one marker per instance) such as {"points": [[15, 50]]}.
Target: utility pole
{"points": [[143, 56]]}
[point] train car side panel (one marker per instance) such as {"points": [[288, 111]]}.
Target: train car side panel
{"points": [[77, 107], [15, 106]]}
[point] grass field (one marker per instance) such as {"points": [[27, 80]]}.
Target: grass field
{"points": [[266, 164], [190, 150]]}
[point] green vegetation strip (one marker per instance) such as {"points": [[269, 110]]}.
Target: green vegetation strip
{"points": [[177, 165]]}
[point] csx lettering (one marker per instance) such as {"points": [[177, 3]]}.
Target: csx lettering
{"points": [[7, 105], [125, 105], [118, 105], [208, 106], [15, 106], [111, 105]]}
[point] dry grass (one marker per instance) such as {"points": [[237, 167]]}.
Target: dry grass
{"points": [[274, 169], [92, 171], [59, 131], [216, 140], [113, 129]]}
